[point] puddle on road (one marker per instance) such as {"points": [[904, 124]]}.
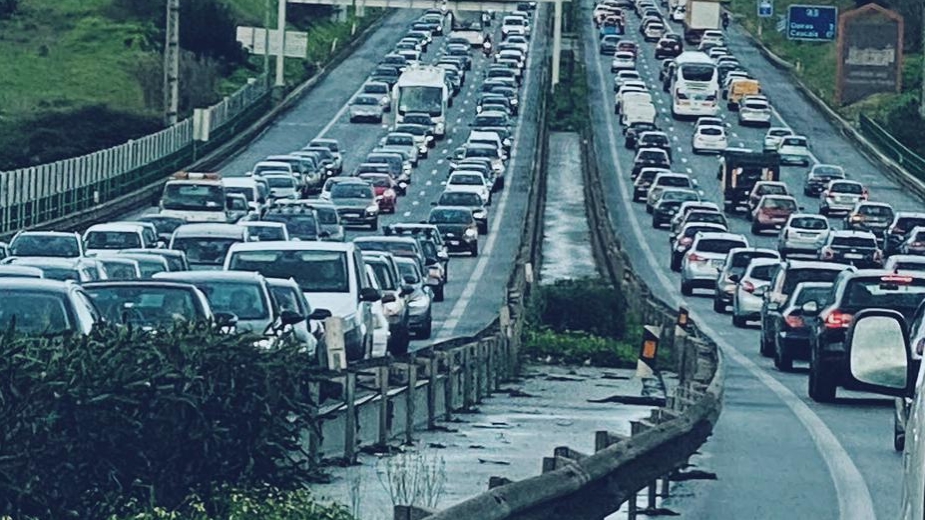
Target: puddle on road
{"points": [[507, 437]]}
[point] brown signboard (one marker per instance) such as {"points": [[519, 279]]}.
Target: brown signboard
{"points": [[870, 53]]}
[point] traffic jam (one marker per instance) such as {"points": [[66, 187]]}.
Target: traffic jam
{"points": [[296, 243], [829, 276]]}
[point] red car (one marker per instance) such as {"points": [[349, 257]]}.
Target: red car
{"points": [[386, 190]]}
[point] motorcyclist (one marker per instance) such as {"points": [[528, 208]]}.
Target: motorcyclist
{"points": [[725, 20], [486, 45]]}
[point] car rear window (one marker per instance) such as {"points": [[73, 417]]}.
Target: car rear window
{"points": [[744, 258], [875, 210], [711, 131], [675, 182], [809, 223], [763, 272], [718, 245], [890, 291], [809, 274], [847, 187], [820, 295], [771, 189], [854, 241], [775, 203], [907, 223]]}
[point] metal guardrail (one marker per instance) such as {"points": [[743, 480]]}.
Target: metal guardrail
{"points": [[888, 144], [33, 196]]}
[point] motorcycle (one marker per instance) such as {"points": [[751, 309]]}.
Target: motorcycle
{"points": [[486, 48]]}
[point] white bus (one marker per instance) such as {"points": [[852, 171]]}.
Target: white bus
{"points": [[422, 89], [694, 86], [196, 197]]}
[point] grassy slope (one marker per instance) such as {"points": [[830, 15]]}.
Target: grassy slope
{"points": [[817, 60]]}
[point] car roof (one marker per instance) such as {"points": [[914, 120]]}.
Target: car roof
{"points": [[292, 245], [851, 233], [140, 283], [752, 249], [114, 226], [206, 276], [211, 229], [717, 235], [262, 223], [62, 234], [39, 284], [815, 264], [389, 239]]}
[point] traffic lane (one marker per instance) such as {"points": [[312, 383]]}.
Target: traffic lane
{"points": [[826, 141], [311, 114], [862, 422], [475, 288]]}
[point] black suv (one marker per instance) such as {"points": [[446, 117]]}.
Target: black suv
{"points": [[853, 292], [858, 248], [787, 277], [631, 133]]}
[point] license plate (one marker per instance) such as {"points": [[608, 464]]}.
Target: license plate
{"points": [[717, 263], [454, 242], [806, 235], [853, 256]]}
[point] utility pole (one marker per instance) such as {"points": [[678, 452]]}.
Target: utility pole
{"points": [[922, 45], [172, 63], [266, 42], [280, 55]]}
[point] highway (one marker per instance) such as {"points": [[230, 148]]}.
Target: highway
{"points": [[475, 289], [776, 453]]}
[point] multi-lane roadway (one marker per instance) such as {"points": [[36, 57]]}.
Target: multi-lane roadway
{"points": [[474, 292], [776, 453]]}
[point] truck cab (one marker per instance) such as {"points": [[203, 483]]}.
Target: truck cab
{"points": [[740, 171]]}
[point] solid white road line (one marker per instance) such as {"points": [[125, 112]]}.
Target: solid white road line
{"points": [[854, 501]]}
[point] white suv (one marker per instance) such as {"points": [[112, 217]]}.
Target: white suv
{"points": [[706, 256]]}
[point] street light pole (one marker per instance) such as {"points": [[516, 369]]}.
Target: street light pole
{"points": [[172, 63], [266, 43], [281, 28]]}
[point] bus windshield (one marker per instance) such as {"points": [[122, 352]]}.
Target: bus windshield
{"points": [[428, 100], [698, 72], [209, 197]]}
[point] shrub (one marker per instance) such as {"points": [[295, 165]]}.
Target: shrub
{"points": [[576, 348], [8, 8], [92, 422], [587, 304]]}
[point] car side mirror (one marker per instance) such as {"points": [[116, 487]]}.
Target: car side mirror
{"points": [[319, 315], [773, 306], [432, 203], [370, 294], [388, 298], [288, 317], [879, 357], [225, 319], [324, 234], [410, 280], [443, 255], [759, 291], [734, 278], [407, 289], [810, 308]]}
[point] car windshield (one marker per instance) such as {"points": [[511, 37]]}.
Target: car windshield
{"points": [[302, 225], [847, 187], [488, 121], [697, 71], [399, 140], [314, 271], [679, 196], [467, 180], [794, 141], [408, 270], [183, 196], [411, 129], [460, 198], [383, 275], [45, 245], [890, 291], [289, 299], [907, 223], [675, 182], [244, 300], [481, 151], [33, 312], [112, 240], [450, 216], [707, 216], [204, 250], [809, 223], [280, 181], [343, 190], [763, 272], [365, 100], [652, 155], [847, 241], [265, 233], [376, 88], [327, 216], [428, 100], [718, 245], [654, 140], [165, 226], [378, 181], [145, 305], [386, 246]]}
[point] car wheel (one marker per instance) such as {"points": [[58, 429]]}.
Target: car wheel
{"points": [[899, 436], [426, 332], [719, 306], [474, 251], [756, 230], [375, 225], [821, 387], [823, 211], [686, 288], [783, 360], [738, 321], [438, 293], [656, 224], [765, 347], [649, 208], [483, 229], [675, 262]]}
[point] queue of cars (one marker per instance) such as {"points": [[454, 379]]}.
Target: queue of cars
{"points": [[274, 262]]}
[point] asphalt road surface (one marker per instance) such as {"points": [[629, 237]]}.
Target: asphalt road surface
{"points": [[777, 454], [475, 289]]}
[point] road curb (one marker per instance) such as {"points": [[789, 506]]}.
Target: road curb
{"points": [[891, 168]]}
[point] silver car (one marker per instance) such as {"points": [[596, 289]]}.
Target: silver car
{"points": [[754, 111], [803, 233], [840, 196], [749, 293], [366, 107], [706, 256], [729, 276]]}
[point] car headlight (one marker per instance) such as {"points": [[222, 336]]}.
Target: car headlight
{"points": [[479, 214], [422, 148], [440, 127], [507, 141], [389, 193], [421, 302], [392, 308], [471, 233], [429, 138], [372, 209]]}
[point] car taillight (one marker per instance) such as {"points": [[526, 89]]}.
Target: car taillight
{"points": [[694, 257], [827, 253], [897, 231], [748, 287], [838, 320], [685, 241], [794, 322], [390, 193], [825, 194], [920, 346]]}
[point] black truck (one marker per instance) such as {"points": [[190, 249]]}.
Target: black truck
{"points": [[740, 170]]}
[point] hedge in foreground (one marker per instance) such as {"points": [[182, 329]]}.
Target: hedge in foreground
{"points": [[92, 423]]}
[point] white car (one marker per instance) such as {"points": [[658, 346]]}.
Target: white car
{"points": [[712, 36], [625, 75], [709, 121], [678, 14], [472, 182], [653, 31], [840, 196], [630, 98], [623, 60], [774, 136], [102, 238], [709, 138], [754, 111], [512, 25], [794, 149]]}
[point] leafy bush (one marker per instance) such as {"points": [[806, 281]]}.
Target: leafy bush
{"points": [[260, 504], [576, 348], [587, 304], [90, 423], [8, 8]]}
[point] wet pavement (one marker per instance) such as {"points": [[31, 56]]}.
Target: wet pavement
{"points": [[566, 237], [507, 436]]}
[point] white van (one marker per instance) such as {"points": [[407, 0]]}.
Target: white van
{"points": [[332, 275], [638, 113], [206, 244]]}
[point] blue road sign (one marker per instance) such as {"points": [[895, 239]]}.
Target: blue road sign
{"points": [[812, 22], [765, 9]]}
